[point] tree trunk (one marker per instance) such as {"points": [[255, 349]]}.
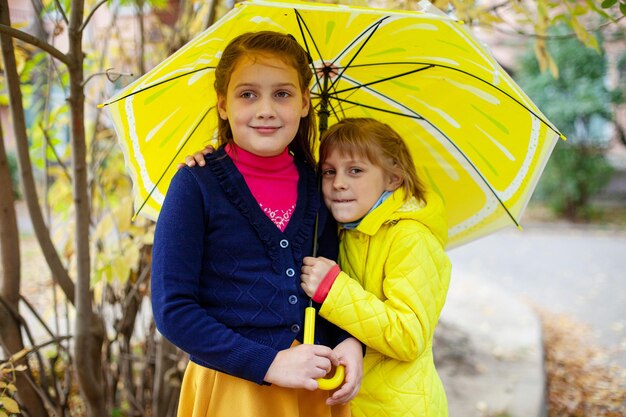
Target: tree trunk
{"points": [[166, 391], [10, 331], [142, 37], [89, 333], [59, 272]]}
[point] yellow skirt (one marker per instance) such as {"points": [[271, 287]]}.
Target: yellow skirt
{"points": [[209, 393]]}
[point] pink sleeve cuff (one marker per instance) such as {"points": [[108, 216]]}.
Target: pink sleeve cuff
{"points": [[324, 287]]}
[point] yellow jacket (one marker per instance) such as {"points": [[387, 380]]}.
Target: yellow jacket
{"points": [[393, 285]]}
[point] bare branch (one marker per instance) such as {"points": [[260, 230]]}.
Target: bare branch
{"points": [[90, 15], [58, 5], [32, 40], [570, 35]]}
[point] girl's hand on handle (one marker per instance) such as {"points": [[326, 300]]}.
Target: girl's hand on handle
{"points": [[197, 158], [300, 366], [350, 353], [313, 272]]}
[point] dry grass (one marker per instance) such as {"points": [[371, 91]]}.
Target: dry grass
{"points": [[581, 382]]}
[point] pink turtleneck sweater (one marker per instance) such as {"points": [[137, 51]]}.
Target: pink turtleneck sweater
{"points": [[272, 180]]}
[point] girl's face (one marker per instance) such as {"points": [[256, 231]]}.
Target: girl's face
{"points": [[263, 104], [352, 184]]}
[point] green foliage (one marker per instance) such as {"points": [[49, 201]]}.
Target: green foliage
{"points": [[578, 103], [573, 175], [15, 178], [607, 4]]}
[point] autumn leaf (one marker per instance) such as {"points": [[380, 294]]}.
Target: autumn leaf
{"points": [[10, 405]]}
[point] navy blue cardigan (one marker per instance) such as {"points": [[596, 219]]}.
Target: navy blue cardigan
{"points": [[225, 280]]}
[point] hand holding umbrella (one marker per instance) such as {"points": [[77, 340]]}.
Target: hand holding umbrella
{"points": [[309, 336], [311, 280]]}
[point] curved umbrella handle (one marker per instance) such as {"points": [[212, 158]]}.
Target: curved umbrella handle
{"points": [[309, 335]]}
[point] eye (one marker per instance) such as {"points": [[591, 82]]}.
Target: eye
{"points": [[247, 94], [355, 170], [283, 94], [328, 172]]}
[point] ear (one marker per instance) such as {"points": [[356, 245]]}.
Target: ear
{"points": [[393, 182], [221, 108], [306, 103]]}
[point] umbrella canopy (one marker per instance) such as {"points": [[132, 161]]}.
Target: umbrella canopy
{"points": [[476, 138]]}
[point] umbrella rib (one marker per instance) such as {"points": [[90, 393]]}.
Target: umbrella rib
{"points": [[332, 108], [432, 65], [302, 25], [174, 158], [371, 30], [157, 84], [419, 117]]}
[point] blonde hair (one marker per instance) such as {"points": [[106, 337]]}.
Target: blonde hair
{"points": [[377, 142], [286, 48]]}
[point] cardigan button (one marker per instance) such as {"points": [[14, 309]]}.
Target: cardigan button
{"points": [[293, 299], [284, 243], [290, 272], [295, 328]]}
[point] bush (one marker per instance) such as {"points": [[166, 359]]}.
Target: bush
{"points": [[579, 104], [574, 174]]}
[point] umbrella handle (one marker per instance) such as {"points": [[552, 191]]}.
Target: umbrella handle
{"points": [[309, 335]]}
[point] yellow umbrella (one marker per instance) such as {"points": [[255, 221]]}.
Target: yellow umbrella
{"points": [[477, 139]]}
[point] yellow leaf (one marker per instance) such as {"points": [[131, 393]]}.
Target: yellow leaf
{"points": [[123, 213], [3, 414], [554, 69], [10, 405], [7, 386], [105, 226], [593, 43], [19, 355], [121, 269], [21, 368], [542, 54]]}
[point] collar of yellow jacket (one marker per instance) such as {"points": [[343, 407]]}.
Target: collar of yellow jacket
{"points": [[430, 212]]}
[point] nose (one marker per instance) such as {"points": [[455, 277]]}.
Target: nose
{"points": [[338, 182], [265, 109]]}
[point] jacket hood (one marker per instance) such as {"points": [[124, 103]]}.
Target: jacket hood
{"points": [[430, 212]]}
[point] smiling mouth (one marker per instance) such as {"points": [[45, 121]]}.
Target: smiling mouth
{"points": [[263, 129]]}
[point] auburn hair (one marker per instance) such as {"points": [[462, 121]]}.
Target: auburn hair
{"points": [[287, 49]]}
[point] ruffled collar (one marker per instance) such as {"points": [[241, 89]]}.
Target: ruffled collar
{"points": [[299, 229]]}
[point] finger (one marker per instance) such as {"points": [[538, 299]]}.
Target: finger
{"points": [[339, 397], [190, 161], [323, 365], [326, 353], [179, 166], [310, 384], [334, 359], [342, 395], [199, 158], [208, 149]]}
